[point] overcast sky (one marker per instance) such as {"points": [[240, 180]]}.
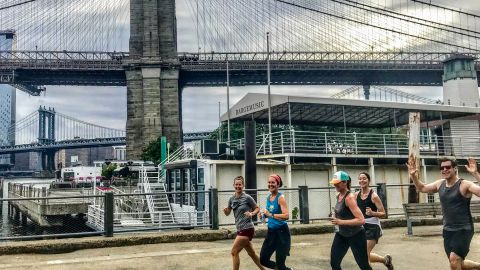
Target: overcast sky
{"points": [[106, 106]]}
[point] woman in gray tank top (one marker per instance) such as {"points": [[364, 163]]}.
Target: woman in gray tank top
{"points": [[244, 208], [348, 221]]}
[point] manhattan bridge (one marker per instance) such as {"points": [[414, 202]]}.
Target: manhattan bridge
{"points": [[157, 48]]}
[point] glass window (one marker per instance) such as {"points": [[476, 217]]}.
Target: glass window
{"points": [[201, 177], [177, 180]]}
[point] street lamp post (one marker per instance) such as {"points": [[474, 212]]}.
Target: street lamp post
{"points": [[269, 100], [228, 103], [219, 124]]}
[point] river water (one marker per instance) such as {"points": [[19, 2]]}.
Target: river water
{"points": [[11, 228]]}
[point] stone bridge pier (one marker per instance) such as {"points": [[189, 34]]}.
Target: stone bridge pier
{"points": [[152, 72]]}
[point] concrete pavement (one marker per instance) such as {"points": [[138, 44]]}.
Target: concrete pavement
{"points": [[422, 251]]}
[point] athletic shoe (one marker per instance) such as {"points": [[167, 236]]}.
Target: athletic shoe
{"points": [[388, 262]]}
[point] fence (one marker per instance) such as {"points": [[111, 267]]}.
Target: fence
{"points": [[331, 143], [38, 213]]}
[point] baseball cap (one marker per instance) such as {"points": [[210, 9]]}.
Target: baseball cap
{"points": [[339, 176]]}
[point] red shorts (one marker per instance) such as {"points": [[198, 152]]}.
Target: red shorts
{"points": [[247, 232]]}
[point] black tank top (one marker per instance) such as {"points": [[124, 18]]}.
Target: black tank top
{"points": [[455, 208], [363, 204], [343, 212]]}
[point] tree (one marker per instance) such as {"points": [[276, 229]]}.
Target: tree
{"points": [[153, 151], [107, 170]]}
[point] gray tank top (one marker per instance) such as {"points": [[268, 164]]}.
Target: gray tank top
{"points": [[455, 208], [343, 212]]}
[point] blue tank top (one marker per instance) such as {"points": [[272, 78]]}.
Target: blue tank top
{"points": [[274, 208]]}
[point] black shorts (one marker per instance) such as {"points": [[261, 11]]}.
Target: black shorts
{"points": [[372, 231], [457, 242]]}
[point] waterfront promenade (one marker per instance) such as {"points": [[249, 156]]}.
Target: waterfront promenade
{"points": [[424, 251]]}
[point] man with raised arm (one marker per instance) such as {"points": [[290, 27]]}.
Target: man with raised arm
{"points": [[455, 195]]}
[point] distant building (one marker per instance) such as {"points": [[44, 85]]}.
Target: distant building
{"points": [[7, 100], [119, 152], [84, 156], [28, 161]]}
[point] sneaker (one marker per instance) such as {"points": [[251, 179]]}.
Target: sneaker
{"points": [[388, 262]]}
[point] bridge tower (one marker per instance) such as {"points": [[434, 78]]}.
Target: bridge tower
{"points": [[152, 71], [46, 125], [46, 135]]}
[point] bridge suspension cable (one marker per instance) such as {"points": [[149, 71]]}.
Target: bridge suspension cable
{"points": [[385, 28], [72, 25], [16, 4], [332, 25], [446, 8]]}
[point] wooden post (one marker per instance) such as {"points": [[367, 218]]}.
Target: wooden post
{"points": [[414, 150]]}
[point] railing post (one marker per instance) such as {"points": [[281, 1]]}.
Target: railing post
{"points": [[304, 210], [281, 141], [437, 145], [326, 143], [384, 145], [293, 139], [264, 143], [382, 193], [214, 208], [355, 140], [108, 214]]}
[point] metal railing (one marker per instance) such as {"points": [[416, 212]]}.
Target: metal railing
{"points": [[126, 212], [217, 60], [330, 143]]}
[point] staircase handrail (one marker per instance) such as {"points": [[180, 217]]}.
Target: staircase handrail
{"points": [[148, 190], [181, 152]]}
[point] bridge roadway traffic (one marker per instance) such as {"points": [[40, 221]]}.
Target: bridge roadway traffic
{"points": [[421, 252]]}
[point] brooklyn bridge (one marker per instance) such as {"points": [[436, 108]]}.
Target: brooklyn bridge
{"points": [[135, 44]]}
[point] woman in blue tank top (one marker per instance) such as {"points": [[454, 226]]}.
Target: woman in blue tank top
{"points": [[278, 234]]}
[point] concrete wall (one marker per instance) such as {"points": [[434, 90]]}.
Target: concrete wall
{"points": [[321, 193]]}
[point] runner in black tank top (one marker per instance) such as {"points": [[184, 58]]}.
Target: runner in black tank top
{"points": [[349, 220], [372, 210], [455, 195]]}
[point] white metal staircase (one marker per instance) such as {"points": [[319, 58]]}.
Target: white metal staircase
{"points": [[158, 204]]}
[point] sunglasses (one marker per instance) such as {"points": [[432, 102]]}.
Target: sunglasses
{"points": [[448, 167]]}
